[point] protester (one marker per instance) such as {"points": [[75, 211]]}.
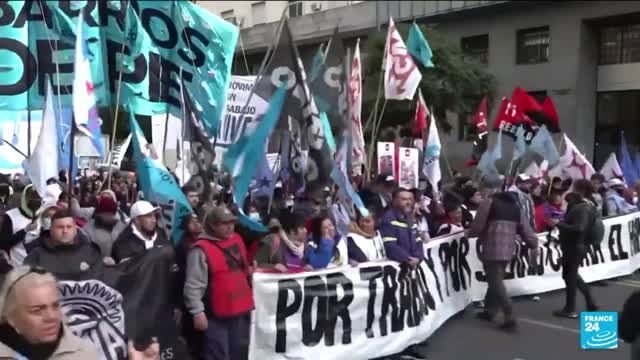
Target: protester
{"points": [[574, 232], [615, 201], [363, 241], [498, 221], [400, 242], [523, 189], [292, 235], [105, 225], [17, 222], [217, 292], [453, 222], [140, 235], [599, 193], [375, 195], [629, 324], [326, 248], [552, 213], [471, 201], [193, 197]]}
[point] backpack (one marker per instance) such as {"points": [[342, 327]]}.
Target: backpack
{"points": [[595, 234]]}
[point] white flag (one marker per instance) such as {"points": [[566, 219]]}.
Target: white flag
{"points": [[358, 157], [431, 167], [117, 154], [43, 163], [572, 164], [401, 75], [611, 168], [533, 171]]}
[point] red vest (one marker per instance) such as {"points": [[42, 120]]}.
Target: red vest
{"points": [[230, 294]]}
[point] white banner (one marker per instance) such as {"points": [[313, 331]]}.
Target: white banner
{"points": [[409, 165], [378, 309]]}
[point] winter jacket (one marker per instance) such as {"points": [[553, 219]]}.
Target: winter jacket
{"points": [[103, 237], [578, 221], [498, 224], [70, 347], [363, 247], [129, 244], [399, 237], [80, 256]]}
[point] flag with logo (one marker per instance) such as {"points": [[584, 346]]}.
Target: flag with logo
{"points": [[611, 168], [401, 75], [359, 156], [431, 166], [85, 110], [481, 136], [573, 164], [418, 46], [41, 165], [158, 185]]}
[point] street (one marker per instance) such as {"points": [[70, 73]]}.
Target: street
{"points": [[540, 336]]}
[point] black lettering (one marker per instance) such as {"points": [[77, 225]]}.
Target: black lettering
{"points": [[139, 69], [119, 15], [8, 14], [634, 236], [172, 34], [314, 288], [29, 65], [371, 274], [432, 267], [283, 311], [388, 298], [615, 241], [418, 298], [198, 55], [464, 270], [47, 69], [429, 301], [161, 82], [405, 301], [26, 15], [338, 308], [481, 276], [553, 261]]}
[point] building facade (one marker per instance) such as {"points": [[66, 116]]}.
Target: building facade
{"points": [[585, 55]]}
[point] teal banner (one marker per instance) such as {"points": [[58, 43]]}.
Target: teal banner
{"points": [[151, 42]]}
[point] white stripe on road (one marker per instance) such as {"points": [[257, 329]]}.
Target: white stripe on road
{"points": [[628, 283], [549, 325]]}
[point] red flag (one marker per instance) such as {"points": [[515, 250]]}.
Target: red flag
{"points": [[480, 118], [550, 113], [420, 119], [524, 102], [480, 141], [510, 114]]}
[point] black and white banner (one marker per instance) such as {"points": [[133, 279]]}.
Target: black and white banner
{"points": [[378, 309]]}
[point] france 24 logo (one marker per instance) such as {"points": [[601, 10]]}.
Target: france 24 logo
{"points": [[599, 330]]}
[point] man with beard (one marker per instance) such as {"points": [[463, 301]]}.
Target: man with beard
{"points": [[105, 226]]}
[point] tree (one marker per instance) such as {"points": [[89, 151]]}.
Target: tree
{"points": [[456, 84]]}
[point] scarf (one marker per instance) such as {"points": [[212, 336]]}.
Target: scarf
{"points": [[298, 250], [10, 337], [354, 228]]}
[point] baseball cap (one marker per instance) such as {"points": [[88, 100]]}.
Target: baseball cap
{"points": [[220, 214], [615, 182], [142, 208]]}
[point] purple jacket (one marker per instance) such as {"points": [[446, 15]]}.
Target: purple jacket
{"points": [[399, 237]]}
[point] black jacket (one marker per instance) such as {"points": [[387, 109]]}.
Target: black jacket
{"points": [[129, 245], [577, 222], [629, 322], [80, 256]]}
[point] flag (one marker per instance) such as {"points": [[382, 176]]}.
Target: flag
{"points": [[637, 162], [339, 174], [550, 118], [64, 126], [317, 63], [524, 102], [487, 163], [85, 110], [328, 133], [118, 151], [611, 168], [480, 141], [572, 163], [242, 159], [420, 118], [41, 166], [310, 159], [431, 167], [401, 75], [520, 147], [629, 170], [358, 157], [543, 145], [418, 46], [329, 87], [264, 179], [533, 171], [158, 185]]}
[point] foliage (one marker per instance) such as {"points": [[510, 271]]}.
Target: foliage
{"points": [[456, 84]]}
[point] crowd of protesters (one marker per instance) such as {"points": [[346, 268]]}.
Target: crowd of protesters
{"points": [[66, 233]]}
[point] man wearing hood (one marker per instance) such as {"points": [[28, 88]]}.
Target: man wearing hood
{"points": [[17, 222], [217, 292]]}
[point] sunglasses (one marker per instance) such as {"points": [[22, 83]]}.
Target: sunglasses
{"points": [[32, 270]]}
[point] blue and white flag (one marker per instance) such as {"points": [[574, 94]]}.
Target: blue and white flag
{"points": [[340, 176], [158, 185], [520, 146], [431, 166], [85, 110], [243, 158], [543, 145], [487, 163]]}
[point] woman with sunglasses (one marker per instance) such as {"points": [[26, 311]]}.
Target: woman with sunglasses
{"points": [[32, 324]]}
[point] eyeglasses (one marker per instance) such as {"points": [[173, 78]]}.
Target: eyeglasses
{"points": [[32, 270]]}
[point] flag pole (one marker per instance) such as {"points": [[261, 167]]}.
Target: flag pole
{"points": [[72, 136]]}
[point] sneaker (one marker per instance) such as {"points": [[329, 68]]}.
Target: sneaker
{"points": [[484, 315], [509, 326], [535, 298], [411, 353], [565, 314]]}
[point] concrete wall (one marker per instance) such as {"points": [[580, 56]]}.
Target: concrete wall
{"points": [[619, 77]]}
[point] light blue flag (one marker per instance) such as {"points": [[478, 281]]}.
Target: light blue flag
{"points": [[487, 163], [316, 63], [63, 129], [543, 145], [418, 46], [328, 134], [158, 185], [243, 158], [637, 163], [520, 147], [340, 177], [626, 164], [264, 179]]}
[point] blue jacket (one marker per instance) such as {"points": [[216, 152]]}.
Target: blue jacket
{"points": [[399, 237]]}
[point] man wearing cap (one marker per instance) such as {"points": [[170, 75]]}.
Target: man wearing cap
{"points": [[616, 203], [377, 195], [217, 292], [105, 226], [141, 235]]}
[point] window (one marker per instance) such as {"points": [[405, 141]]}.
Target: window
{"points": [[533, 45], [295, 8], [476, 47], [620, 44], [616, 111], [258, 13], [228, 16]]}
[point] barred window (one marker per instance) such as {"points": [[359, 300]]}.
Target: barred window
{"points": [[476, 47], [533, 45], [620, 44]]}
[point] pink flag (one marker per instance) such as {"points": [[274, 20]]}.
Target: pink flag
{"points": [[355, 107]]}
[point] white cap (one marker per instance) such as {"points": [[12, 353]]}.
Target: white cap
{"points": [[615, 182], [279, 185], [524, 177], [142, 208], [389, 179]]}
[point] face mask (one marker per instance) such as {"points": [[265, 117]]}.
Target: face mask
{"points": [[46, 223], [254, 216], [289, 203]]}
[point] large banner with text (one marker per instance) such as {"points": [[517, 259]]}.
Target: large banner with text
{"points": [[378, 309]]}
